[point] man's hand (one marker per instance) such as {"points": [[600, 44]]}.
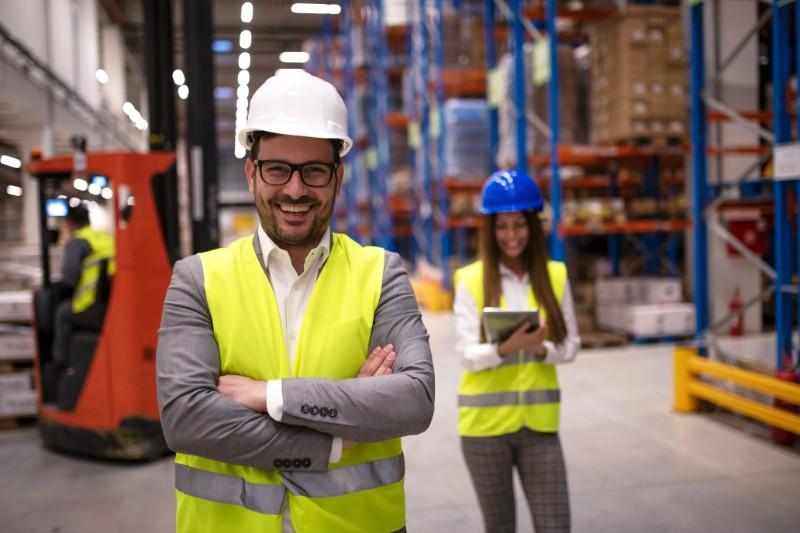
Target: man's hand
{"points": [[249, 392], [379, 362], [521, 339]]}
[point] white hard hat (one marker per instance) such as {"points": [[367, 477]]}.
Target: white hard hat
{"points": [[293, 102]]}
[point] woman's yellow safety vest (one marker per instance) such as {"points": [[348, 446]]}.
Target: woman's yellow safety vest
{"points": [[520, 392], [102, 245], [364, 491]]}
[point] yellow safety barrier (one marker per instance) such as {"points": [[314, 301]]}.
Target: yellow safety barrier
{"points": [[688, 389], [431, 295]]}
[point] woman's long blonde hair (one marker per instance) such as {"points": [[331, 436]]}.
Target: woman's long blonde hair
{"points": [[534, 259]]}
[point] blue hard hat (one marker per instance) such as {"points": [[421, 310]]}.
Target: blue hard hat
{"points": [[509, 190]]}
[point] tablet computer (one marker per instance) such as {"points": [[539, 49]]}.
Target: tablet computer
{"points": [[499, 324]]}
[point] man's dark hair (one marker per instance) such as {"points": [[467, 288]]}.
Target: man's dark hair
{"points": [[256, 137], [78, 215]]}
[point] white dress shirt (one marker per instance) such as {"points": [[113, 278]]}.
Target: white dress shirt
{"points": [[477, 356], [292, 292]]}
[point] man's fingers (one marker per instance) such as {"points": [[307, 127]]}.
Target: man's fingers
{"points": [[388, 362], [375, 360]]}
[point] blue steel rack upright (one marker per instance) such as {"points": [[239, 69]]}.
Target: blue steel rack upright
{"points": [[703, 206]]}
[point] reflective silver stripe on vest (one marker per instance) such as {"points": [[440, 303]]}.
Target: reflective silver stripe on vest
{"points": [[339, 481], [499, 399], [527, 357], [222, 488]]}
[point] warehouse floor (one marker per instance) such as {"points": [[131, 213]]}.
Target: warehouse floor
{"points": [[634, 465]]}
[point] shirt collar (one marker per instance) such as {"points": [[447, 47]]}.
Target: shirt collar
{"points": [[269, 249]]}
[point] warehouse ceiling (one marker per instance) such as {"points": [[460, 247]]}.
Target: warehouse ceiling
{"points": [[274, 28]]}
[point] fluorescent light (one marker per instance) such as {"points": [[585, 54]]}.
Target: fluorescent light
{"points": [[178, 77], [80, 184], [239, 151], [14, 190], [183, 92], [9, 161], [316, 9], [128, 108], [293, 57], [245, 39], [107, 193], [244, 77], [247, 12], [241, 114], [244, 60], [95, 189], [102, 76], [221, 46], [242, 91], [241, 103], [74, 202]]}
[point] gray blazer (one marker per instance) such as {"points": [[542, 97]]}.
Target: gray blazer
{"points": [[199, 420]]}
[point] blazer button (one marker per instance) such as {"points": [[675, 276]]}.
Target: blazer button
{"points": [[306, 462], [287, 463], [277, 463], [324, 411], [314, 410], [333, 413], [304, 408], [297, 463]]}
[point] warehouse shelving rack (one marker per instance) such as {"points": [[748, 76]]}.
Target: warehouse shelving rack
{"points": [[705, 206]]}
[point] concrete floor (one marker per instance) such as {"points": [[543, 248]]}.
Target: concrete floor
{"points": [[634, 466]]}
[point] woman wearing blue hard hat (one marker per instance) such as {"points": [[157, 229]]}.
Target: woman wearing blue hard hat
{"points": [[508, 403]]}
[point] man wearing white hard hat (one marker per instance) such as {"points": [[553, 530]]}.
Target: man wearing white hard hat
{"points": [[291, 362]]}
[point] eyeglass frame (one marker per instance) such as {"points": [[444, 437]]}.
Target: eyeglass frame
{"points": [[299, 168]]}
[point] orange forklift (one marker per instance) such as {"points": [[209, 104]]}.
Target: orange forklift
{"points": [[103, 403]]}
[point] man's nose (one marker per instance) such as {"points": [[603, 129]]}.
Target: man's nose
{"points": [[295, 186]]}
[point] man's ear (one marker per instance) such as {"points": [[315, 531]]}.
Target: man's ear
{"points": [[339, 178], [250, 173]]}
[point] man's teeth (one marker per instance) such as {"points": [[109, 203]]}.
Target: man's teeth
{"points": [[295, 208]]}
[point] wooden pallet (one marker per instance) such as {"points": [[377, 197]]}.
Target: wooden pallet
{"points": [[602, 339], [16, 422]]}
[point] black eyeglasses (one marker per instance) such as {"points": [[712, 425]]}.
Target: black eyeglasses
{"points": [[313, 174]]}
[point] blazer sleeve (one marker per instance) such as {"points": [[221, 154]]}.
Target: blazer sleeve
{"points": [[196, 418], [383, 407]]}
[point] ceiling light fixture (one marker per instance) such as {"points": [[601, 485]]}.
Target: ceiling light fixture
{"points": [[244, 60], [14, 190], [9, 161], [245, 39], [178, 77], [244, 77], [247, 12], [183, 92], [303, 8], [101, 75]]}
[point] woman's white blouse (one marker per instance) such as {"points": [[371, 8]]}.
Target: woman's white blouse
{"points": [[477, 356]]}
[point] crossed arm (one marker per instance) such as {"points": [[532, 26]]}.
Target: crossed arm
{"points": [[202, 419]]}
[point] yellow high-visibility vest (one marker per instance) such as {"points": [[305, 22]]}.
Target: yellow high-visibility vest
{"points": [[520, 392], [102, 245], [363, 493]]}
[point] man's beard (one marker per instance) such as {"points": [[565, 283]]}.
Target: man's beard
{"points": [[266, 214]]}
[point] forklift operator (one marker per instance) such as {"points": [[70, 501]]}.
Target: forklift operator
{"points": [[81, 268]]}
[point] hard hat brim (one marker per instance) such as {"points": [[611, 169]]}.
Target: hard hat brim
{"points": [[244, 137]]}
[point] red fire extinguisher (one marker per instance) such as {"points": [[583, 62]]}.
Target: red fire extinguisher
{"points": [[737, 327], [781, 436]]}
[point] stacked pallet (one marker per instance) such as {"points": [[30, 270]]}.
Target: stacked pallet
{"points": [[17, 394], [644, 308], [639, 77]]}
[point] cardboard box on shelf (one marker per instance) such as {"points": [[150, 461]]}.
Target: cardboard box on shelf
{"points": [[18, 403], [17, 344], [16, 381]]}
